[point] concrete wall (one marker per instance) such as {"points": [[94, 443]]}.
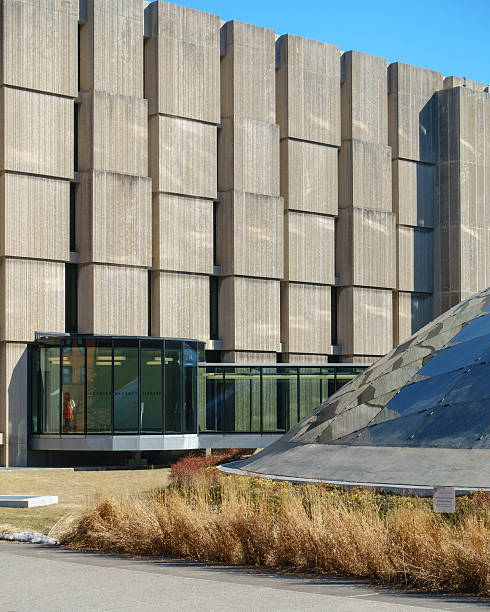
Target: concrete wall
{"points": [[414, 140], [326, 204]]}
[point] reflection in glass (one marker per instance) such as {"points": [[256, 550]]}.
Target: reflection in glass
{"points": [[309, 390], [276, 385], [211, 402], [242, 399], [50, 389], [190, 387], [173, 387], [423, 394], [73, 389], [397, 432], [474, 384], [474, 329], [456, 356], [126, 389], [456, 426], [151, 391], [36, 386], [99, 387]]}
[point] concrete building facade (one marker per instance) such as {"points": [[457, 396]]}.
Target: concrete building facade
{"points": [[163, 173]]}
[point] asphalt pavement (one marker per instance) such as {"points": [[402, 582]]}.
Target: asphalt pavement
{"points": [[43, 578]]}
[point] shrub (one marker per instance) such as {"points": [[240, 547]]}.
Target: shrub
{"points": [[187, 468], [309, 528]]}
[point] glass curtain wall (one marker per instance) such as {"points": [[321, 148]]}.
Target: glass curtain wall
{"points": [[121, 386], [265, 399]]}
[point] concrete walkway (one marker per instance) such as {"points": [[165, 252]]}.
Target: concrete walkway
{"points": [[37, 578]]}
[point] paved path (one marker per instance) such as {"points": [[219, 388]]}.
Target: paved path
{"points": [[37, 578]]}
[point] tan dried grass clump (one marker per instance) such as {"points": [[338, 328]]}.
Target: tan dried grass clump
{"points": [[311, 528]]}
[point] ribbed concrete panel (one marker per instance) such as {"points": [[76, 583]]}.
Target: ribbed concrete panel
{"points": [[112, 300], [454, 81], [37, 133], [308, 91], [414, 193], [182, 62], [414, 311], [39, 41], [114, 218], [365, 175], [111, 46], [474, 126], [113, 131], [180, 306], [248, 157], [248, 357], [365, 321], [365, 248], [32, 298], [296, 358], [250, 231], [364, 98], [412, 112], [14, 417], [415, 259], [475, 259], [309, 249], [306, 318], [183, 156], [248, 72], [309, 177], [34, 217], [252, 318], [182, 234]]}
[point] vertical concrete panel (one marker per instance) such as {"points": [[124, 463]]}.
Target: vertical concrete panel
{"points": [[365, 248], [111, 45], [308, 92], [364, 98], [365, 176], [182, 62], [182, 234], [414, 193], [114, 218], [13, 403], [309, 253], [365, 324], [37, 133], [32, 298], [309, 177], [113, 133], [112, 300], [306, 318], [39, 45], [248, 73], [34, 217], [412, 112], [180, 305], [254, 303], [183, 157]]}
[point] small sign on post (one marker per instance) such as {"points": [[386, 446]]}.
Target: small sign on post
{"points": [[443, 499]]}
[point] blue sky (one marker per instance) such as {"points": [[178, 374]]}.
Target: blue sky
{"points": [[451, 36]]}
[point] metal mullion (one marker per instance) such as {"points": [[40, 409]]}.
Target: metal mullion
{"points": [[223, 407], [112, 387], [182, 389], [164, 397], [261, 400], [139, 388], [85, 387], [298, 396], [60, 409]]}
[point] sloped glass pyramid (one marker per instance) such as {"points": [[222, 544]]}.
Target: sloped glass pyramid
{"points": [[430, 393]]}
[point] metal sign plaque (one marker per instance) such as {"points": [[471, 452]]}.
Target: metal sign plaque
{"points": [[443, 499]]}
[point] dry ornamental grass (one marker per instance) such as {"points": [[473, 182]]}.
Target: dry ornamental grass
{"points": [[313, 528]]}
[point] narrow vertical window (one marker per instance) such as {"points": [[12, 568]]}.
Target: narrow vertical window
{"points": [[73, 193], [71, 298], [213, 307]]}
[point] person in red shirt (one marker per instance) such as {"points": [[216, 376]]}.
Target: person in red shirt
{"points": [[68, 408]]}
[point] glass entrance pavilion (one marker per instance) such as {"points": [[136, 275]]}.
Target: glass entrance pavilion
{"points": [[88, 386]]}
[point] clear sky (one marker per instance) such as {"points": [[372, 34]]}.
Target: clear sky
{"points": [[451, 36]]}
